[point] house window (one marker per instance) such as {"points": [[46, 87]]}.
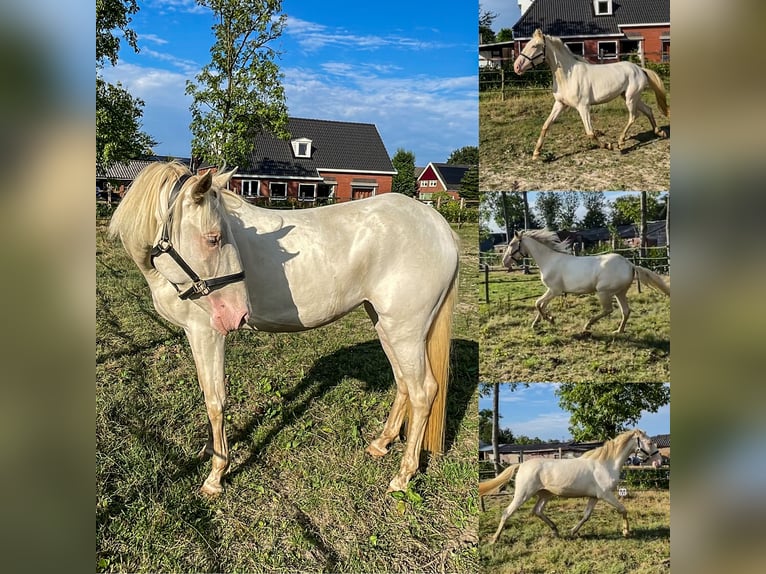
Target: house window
{"points": [[602, 7], [301, 147], [607, 50], [423, 183], [432, 183], [666, 50], [251, 187], [307, 192], [278, 190], [577, 48]]}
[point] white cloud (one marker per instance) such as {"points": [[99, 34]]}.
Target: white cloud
{"points": [[186, 6], [547, 426], [153, 38]]}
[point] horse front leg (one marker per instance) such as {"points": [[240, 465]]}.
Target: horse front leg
{"points": [[584, 111], [558, 107], [588, 511], [208, 347], [609, 497], [542, 500]]}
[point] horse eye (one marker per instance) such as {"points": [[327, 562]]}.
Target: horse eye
{"points": [[213, 240]]}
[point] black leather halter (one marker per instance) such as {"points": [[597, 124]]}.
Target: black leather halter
{"points": [[200, 287], [643, 451], [533, 58]]}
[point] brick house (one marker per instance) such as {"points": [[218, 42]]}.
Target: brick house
{"points": [[437, 177], [600, 30], [323, 161]]}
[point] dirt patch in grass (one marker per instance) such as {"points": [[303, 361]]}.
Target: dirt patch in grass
{"points": [[508, 131]]}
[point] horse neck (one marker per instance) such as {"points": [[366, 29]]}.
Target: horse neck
{"points": [[559, 58], [621, 450], [539, 251]]}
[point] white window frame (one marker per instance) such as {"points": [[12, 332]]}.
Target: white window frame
{"points": [[432, 183], [301, 147], [607, 8], [249, 184], [272, 186], [301, 194]]}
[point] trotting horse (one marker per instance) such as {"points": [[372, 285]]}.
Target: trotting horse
{"points": [[608, 275], [594, 475], [215, 263], [580, 84]]}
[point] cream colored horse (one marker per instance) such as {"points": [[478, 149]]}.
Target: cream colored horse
{"points": [[580, 84], [594, 475], [609, 275], [215, 263]]}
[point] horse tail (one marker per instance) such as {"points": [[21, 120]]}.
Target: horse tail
{"points": [[438, 352], [659, 90], [493, 485], [652, 279]]}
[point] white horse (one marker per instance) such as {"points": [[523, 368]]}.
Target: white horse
{"points": [[594, 475], [608, 275], [580, 84], [215, 263]]}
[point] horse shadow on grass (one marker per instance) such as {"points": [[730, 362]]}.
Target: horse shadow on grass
{"points": [[368, 363], [638, 141], [661, 346], [645, 534]]}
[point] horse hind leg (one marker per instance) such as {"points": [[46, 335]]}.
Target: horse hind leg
{"points": [[518, 500], [379, 447], [622, 301], [647, 111], [606, 306], [541, 305], [588, 511], [542, 500]]}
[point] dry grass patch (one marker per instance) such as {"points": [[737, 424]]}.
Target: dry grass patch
{"points": [[508, 131]]}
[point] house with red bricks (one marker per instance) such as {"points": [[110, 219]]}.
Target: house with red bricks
{"points": [[600, 30], [436, 177], [323, 161]]}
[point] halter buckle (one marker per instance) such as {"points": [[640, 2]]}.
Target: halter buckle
{"points": [[200, 287]]}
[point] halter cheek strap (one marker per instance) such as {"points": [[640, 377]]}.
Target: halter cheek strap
{"points": [[641, 448], [533, 58], [199, 287]]}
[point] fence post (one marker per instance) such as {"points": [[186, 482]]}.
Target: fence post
{"points": [[486, 283]]}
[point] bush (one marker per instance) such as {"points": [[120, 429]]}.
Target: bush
{"points": [[104, 210], [645, 478]]}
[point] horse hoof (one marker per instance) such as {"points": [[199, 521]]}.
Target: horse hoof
{"points": [[211, 490], [375, 451]]}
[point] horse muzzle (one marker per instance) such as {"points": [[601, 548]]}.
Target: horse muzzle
{"points": [[227, 315]]}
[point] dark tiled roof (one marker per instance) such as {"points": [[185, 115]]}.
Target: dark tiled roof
{"points": [[335, 146], [662, 440], [577, 17], [549, 446], [451, 174], [129, 171]]}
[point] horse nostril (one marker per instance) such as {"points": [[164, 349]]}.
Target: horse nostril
{"points": [[244, 319]]}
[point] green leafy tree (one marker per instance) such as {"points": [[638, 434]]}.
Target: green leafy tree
{"points": [[404, 181], [239, 93], [548, 206], [626, 209], [467, 155], [595, 210], [504, 35], [469, 185], [491, 207], [600, 411], [567, 214], [118, 115]]}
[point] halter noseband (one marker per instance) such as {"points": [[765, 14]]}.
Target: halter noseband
{"points": [[517, 249], [533, 58], [200, 287]]}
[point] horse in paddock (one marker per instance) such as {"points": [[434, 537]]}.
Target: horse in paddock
{"points": [[609, 275], [215, 264], [579, 84], [594, 476]]}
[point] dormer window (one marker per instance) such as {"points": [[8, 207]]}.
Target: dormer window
{"points": [[602, 7], [301, 147]]}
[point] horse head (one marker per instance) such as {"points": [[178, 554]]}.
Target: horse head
{"points": [[645, 448], [195, 251], [514, 251], [532, 55]]}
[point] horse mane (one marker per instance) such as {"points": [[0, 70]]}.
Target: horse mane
{"points": [[139, 215], [560, 43], [549, 239], [609, 449]]}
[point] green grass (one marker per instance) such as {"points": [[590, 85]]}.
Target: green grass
{"points": [[528, 546], [301, 494], [511, 350], [508, 131]]}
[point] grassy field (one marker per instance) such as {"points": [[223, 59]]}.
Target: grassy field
{"points": [[301, 494], [527, 545], [508, 131], [511, 350]]}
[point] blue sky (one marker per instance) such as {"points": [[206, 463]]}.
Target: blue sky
{"points": [[408, 67], [534, 411], [507, 11]]}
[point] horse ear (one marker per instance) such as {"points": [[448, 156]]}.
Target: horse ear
{"points": [[516, 234], [222, 179], [202, 187], [538, 33]]}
